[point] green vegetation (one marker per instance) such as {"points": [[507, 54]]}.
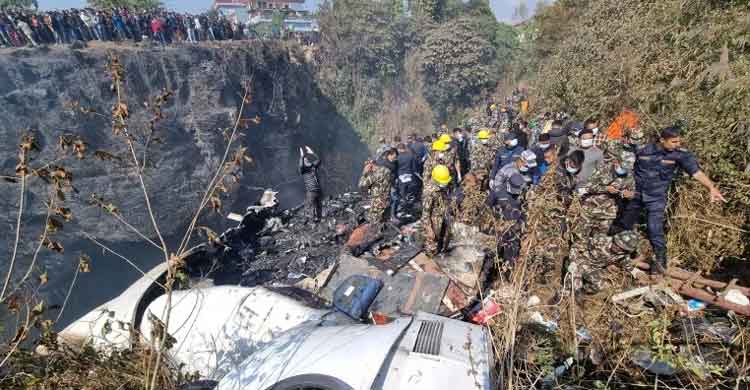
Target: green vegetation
{"points": [[669, 61], [18, 4], [390, 73]]}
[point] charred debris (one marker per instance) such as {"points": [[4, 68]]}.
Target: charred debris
{"points": [[678, 329]]}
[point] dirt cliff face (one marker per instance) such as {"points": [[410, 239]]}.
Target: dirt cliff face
{"points": [[38, 86]]}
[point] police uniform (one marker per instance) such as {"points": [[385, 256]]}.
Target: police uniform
{"points": [[654, 170], [505, 198]]}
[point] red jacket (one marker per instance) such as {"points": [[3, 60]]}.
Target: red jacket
{"points": [[156, 25]]}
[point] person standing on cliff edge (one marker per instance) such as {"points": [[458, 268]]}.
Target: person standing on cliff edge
{"points": [[308, 168]]}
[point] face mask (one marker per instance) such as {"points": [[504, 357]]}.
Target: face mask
{"points": [[524, 168], [441, 156], [460, 136], [544, 146], [595, 130], [571, 170], [511, 144], [484, 141], [587, 143], [620, 171]]}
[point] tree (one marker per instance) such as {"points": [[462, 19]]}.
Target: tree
{"points": [[131, 4], [433, 9], [18, 4], [457, 64], [522, 11]]}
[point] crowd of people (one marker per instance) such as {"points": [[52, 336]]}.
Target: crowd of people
{"points": [[500, 167], [21, 28]]}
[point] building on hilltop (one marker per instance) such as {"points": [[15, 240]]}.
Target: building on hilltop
{"points": [[243, 9]]}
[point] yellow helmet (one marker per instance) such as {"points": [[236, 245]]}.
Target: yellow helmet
{"points": [[445, 138], [484, 134], [439, 146], [493, 106], [441, 175]]}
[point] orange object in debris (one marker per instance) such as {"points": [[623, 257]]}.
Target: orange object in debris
{"points": [[358, 236], [490, 309], [380, 318], [626, 120], [524, 107]]}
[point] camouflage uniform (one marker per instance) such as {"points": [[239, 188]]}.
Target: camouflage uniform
{"points": [[599, 207], [377, 184], [436, 218], [473, 124], [494, 120], [589, 262], [447, 158], [481, 158]]}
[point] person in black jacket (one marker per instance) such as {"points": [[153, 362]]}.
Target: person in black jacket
{"points": [[407, 182], [308, 168]]}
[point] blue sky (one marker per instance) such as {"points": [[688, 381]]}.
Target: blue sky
{"points": [[503, 8]]}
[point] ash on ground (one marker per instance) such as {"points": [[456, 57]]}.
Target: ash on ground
{"points": [[273, 247]]}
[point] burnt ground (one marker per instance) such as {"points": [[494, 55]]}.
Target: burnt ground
{"points": [[274, 247]]}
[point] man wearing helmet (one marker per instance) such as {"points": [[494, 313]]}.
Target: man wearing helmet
{"points": [[437, 211], [441, 155], [480, 157]]}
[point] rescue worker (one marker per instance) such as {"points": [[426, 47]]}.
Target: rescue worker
{"points": [[308, 168], [654, 171], [481, 158], [574, 134], [407, 182], [437, 211], [441, 155], [506, 117], [558, 135], [420, 152], [493, 115], [588, 263], [383, 146], [529, 168], [452, 153], [519, 167], [506, 155], [376, 181], [543, 143], [610, 183], [505, 199], [461, 145]]}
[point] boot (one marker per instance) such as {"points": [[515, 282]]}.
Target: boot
{"points": [[659, 264]]}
